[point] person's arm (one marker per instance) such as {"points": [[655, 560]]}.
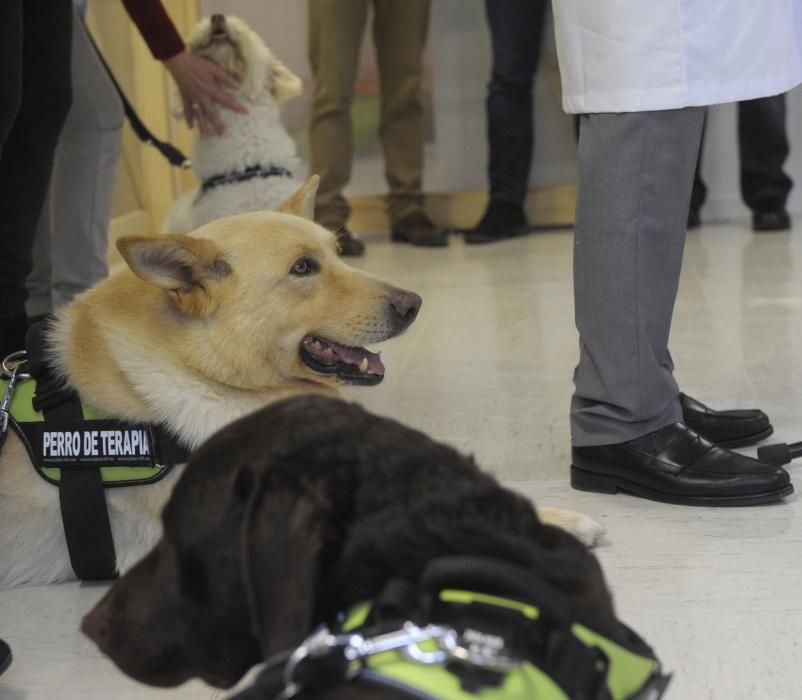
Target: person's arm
{"points": [[156, 27], [197, 79]]}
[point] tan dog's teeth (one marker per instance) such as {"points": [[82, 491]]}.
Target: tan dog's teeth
{"points": [[316, 345], [364, 364]]}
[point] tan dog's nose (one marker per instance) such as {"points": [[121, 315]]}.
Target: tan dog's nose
{"points": [[406, 305]]}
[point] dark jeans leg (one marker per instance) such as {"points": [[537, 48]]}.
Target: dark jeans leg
{"points": [[516, 27], [763, 145], [35, 53], [10, 66]]}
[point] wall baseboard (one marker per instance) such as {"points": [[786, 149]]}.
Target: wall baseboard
{"points": [[545, 206], [553, 205]]}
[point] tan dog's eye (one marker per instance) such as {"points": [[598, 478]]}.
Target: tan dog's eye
{"points": [[305, 267]]}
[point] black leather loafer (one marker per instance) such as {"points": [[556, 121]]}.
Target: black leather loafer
{"points": [[677, 465], [726, 428]]}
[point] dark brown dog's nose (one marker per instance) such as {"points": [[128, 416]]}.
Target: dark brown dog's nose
{"points": [[95, 626], [406, 305], [218, 21]]}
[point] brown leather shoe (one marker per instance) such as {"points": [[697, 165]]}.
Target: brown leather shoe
{"points": [[418, 229], [349, 244]]}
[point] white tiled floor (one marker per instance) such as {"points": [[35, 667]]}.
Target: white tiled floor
{"points": [[487, 367]]}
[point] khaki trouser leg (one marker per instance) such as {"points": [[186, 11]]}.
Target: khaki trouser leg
{"points": [[335, 35], [399, 32]]}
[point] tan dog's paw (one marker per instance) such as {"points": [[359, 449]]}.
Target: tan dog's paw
{"points": [[587, 530]]}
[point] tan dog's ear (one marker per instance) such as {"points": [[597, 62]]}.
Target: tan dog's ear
{"points": [[283, 82], [187, 268], [302, 203]]}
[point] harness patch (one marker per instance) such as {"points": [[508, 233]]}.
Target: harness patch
{"points": [[127, 454], [82, 444]]}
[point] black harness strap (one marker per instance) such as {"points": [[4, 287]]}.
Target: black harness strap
{"points": [[83, 511], [167, 450], [81, 494]]}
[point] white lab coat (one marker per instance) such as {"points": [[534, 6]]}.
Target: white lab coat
{"points": [[640, 55]]}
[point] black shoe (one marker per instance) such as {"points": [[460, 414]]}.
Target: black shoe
{"points": [[349, 244], [771, 220], [694, 220], [501, 220], [677, 465], [5, 656], [418, 229], [735, 428]]}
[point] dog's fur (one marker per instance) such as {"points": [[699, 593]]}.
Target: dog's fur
{"points": [[255, 138], [200, 331], [299, 511]]}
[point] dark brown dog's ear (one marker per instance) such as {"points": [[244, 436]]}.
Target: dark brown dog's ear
{"points": [[281, 539], [187, 268]]}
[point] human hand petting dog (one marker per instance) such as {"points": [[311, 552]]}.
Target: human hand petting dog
{"points": [[198, 81]]}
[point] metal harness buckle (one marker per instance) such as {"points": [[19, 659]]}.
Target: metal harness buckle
{"points": [[10, 370], [356, 647]]}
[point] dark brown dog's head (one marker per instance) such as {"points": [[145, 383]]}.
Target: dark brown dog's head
{"points": [[188, 608], [182, 611], [298, 511]]}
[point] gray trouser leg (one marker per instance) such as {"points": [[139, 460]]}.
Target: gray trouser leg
{"points": [[636, 172], [69, 253]]}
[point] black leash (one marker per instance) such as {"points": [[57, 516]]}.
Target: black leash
{"points": [[170, 152]]}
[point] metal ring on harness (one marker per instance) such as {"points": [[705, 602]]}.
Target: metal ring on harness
{"points": [[19, 357]]}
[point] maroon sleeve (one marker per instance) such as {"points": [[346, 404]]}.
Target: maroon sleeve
{"points": [[156, 27]]}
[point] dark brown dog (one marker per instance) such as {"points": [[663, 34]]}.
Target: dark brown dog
{"points": [[299, 511]]}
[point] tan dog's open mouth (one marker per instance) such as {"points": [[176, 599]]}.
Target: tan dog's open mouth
{"points": [[350, 364]]}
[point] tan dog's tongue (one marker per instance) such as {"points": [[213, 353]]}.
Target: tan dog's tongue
{"points": [[357, 357]]}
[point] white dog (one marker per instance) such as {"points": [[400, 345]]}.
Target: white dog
{"points": [[252, 165]]}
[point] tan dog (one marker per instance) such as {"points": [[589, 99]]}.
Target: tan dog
{"points": [[201, 330]]}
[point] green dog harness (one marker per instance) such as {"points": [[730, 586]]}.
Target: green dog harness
{"points": [[125, 454], [627, 674], [466, 644], [81, 452]]}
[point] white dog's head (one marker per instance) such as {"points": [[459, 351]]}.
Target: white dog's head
{"points": [[233, 45]]}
